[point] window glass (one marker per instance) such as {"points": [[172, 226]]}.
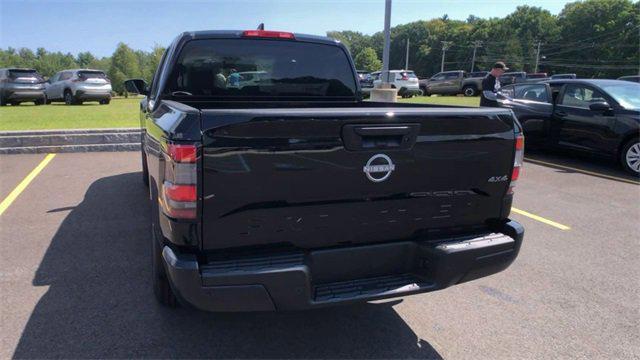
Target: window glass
{"points": [[91, 75], [580, 96], [536, 92], [261, 68], [65, 75], [19, 74], [626, 94], [508, 91]]}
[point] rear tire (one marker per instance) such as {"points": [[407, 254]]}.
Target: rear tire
{"points": [[105, 101], [630, 156], [15, 103], [39, 102], [3, 102], [161, 287], [68, 98], [469, 90]]}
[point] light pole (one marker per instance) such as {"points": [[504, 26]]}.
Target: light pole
{"points": [[406, 62], [384, 92], [387, 40]]}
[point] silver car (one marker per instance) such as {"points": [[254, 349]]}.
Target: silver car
{"points": [[75, 86], [21, 85]]}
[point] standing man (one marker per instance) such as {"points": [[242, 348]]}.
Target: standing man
{"points": [[491, 85]]}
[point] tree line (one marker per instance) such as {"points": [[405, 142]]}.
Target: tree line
{"points": [[593, 38], [123, 64]]}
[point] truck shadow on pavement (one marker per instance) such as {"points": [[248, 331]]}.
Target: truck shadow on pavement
{"points": [[99, 302]]}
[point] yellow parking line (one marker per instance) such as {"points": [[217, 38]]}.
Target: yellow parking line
{"points": [[4, 205], [541, 219], [535, 161]]}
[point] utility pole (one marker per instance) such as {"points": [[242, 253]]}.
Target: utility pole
{"points": [[476, 45], [406, 62], [387, 40], [445, 47], [537, 56]]}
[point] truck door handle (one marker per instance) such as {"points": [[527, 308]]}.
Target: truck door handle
{"points": [[382, 130], [368, 137], [561, 113]]}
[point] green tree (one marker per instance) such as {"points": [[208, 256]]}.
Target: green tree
{"points": [[85, 59], [368, 60], [124, 65]]}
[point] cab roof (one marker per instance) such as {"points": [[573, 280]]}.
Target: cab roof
{"points": [[237, 34]]}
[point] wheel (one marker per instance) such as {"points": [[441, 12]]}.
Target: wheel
{"points": [[39, 102], [3, 102], [47, 100], [15, 103], [630, 156], [145, 168], [161, 288], [68, 98], [105, 101], [469, 90]]}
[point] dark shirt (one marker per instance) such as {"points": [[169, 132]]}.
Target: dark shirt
{"points": [[490, 83]]}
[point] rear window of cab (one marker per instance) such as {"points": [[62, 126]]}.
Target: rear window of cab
{"points": [[261, 68]]}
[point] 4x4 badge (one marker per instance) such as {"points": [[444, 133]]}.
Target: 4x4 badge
{"points": [[380, 165]]}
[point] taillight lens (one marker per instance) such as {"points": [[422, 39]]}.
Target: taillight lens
{"points": [[182, 153], [517, 162], [405, 77], [179, 190]]}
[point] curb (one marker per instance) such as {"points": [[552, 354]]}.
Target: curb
{"points": [[72, 140]]}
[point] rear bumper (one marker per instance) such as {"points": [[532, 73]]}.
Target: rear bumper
{"points": [[25, 95], [318, 278], [88, 95]]}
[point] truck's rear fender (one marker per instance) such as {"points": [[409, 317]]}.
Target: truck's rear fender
{"points": [[171, 122]]}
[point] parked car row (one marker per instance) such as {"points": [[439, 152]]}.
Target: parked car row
{"points": [[72, 87], [456, 81], [405, 81]]}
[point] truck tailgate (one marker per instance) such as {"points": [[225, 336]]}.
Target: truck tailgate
{"points": [[321, 177]]}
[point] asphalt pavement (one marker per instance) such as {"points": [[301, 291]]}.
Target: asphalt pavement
{"points": [[75, 278]]}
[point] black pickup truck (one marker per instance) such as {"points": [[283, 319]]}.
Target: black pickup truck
{"points": [[290, 192]]}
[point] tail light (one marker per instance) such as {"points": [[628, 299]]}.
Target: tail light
{"points": [[179, 190], [405, 77], [268, 34], [517, 162]]}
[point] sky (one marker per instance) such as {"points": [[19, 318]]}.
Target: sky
{"points": [[98, 26]]}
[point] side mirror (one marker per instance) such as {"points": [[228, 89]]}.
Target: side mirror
{"points": [[599, 106], [136, 86]]}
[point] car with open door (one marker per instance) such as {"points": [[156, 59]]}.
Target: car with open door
{"points": [[598, 117]]}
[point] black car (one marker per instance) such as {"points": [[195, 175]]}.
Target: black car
{"points": [[21, 85], [600, 117]]}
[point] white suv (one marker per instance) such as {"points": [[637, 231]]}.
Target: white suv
{"points": [[75, 86], [405, 81]]}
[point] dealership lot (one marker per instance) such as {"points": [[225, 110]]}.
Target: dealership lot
{"points": [[75, 278]]}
